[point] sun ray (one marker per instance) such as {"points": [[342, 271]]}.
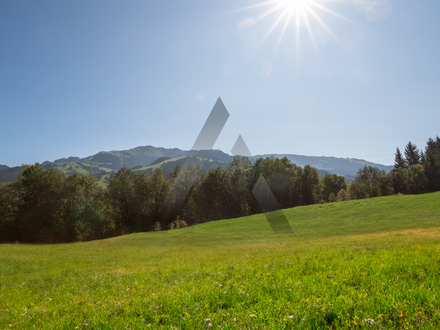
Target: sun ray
{"points": [[302, 14], [268, 12], [312, 36], [261, 4], [320, 21], [297, 37], [280, 38], [324, 8], [274, 25]]}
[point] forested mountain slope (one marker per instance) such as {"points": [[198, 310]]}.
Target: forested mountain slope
{"points": [[106, 162]]}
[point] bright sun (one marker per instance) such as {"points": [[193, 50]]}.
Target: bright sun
{"points": [[294, 4], [297, 12]]}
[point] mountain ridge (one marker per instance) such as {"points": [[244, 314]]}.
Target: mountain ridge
{"points": [[106, 162]]}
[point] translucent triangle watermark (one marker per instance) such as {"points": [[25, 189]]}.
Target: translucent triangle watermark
{"points": [[240, 148], [202, 146]]}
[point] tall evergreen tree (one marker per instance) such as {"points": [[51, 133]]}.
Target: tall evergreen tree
{"points": [[412, 154], [431, 163], [399, 162]]}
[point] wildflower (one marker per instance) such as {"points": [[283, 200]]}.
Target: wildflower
{"points": [[370, 321], [209, 324], [207, 320], [290, 316], [401, 314], [379, 316]]}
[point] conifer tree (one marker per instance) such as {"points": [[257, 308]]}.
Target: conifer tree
{"points": [[412, 154], [399, 162], [431, 163], [422, 157]]}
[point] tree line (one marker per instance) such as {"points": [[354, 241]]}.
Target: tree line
{"points": [[50, 206]]}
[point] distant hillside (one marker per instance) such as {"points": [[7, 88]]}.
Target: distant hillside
{"points": [[167, 166], [334, 165], [10, 174], [160, 160], [148, 158], [130, 158]]}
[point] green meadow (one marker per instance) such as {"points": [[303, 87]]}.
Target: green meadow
{"points": [[372, 264], [158, 165]]}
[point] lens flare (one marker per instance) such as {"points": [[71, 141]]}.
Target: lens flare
{"points": [[300, 13], [294, 4]]}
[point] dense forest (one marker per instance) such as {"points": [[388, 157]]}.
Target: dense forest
{"points": [[45, 205]]}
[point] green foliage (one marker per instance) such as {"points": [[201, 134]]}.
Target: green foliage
{"points": [[431, 164], [157, 226], [127, 196], [412, 154], [159, 190], [216, 195], [332, 198], [87, 207], [310, 185], [134, 199], [8, 211], [42, 209], [421, 172], [399, 161], [177, 224], [239, 172], [399, 180], [369, 182], [417, 181], [332, 184], [342, 196], [47, 205], [51, 206]]}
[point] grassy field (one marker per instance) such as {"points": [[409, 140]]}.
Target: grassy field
{"points": [[172, 160], [369, 264], [158, 165]]}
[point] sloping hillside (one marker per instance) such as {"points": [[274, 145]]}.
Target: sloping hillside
{"points": [[105, 162], [334, 165], [359, 264]]}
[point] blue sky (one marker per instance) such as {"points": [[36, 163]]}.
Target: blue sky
{"points": [[79, 77]]}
